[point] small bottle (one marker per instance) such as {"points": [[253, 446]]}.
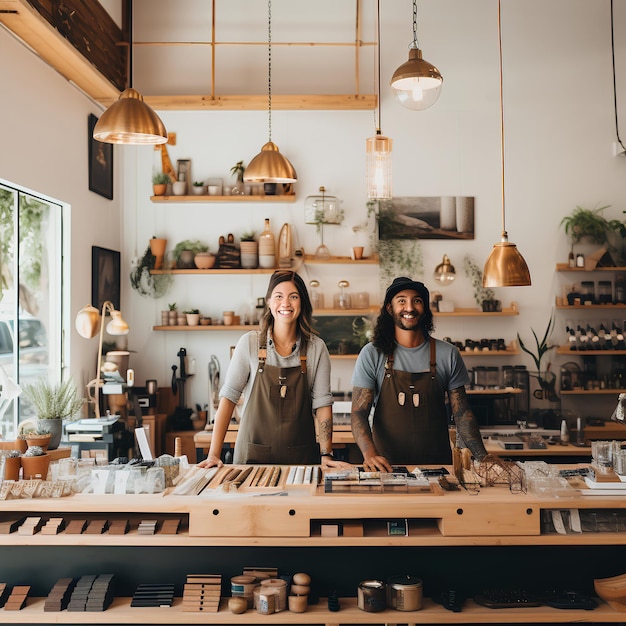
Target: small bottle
{"points": [[564, 433], [571, 259], [620, 289], [267, 247], [580, 260]]}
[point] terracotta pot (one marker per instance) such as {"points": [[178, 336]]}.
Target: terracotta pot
{"points": [[39, 440], [204, 260], [157, 247], [159, 190], [12, 468], [193, 319], [35, 466]]}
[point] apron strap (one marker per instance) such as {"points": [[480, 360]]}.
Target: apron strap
{"points": [[433, 359], [303, 349], [262, 351]]}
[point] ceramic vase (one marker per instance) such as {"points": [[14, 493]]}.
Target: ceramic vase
{"points": [[55, 428], [249, 255]]}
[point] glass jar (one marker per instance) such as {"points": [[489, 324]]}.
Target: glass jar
{"points": [[605, 292]]}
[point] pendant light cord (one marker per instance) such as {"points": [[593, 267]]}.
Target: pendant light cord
{"points": [[129, 6], [415, 42], [379, 125], [614, 80], [501, 115], [269, 67]]}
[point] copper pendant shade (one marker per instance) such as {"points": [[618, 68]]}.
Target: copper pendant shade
{"points": [[129, 120], [505, 266], [270, 166]]}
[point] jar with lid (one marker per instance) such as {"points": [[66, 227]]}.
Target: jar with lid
{"points": [[588, 291], [605, 292], [317, 297]]}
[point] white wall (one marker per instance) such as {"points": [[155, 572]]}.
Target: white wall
{"points": [[44, 148], [559, 141]]}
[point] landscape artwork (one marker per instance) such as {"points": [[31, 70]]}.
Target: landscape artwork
{"points": [[425, 217]]}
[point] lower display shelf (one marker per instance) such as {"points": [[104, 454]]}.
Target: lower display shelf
{"points": [[120, 612]]}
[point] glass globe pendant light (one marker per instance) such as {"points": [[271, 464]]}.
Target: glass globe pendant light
{"points": [[417, 83]]}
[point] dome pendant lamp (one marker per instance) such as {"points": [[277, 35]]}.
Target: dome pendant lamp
{"points": [[269, 166], [129, 120], [505, 266], [416, 83], [378, 148]]}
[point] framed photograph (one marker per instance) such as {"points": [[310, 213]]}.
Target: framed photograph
{"points": [[183, 170], [100, 163], [437, 217], [105, 277]]}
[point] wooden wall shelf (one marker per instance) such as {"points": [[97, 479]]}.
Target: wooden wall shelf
{"points": [[475, 312], [215, 199]]}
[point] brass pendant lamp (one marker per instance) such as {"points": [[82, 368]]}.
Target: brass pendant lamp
{"points": [[378, 148], [129, 120], [270, 166], [505, 266], [416, 83]]}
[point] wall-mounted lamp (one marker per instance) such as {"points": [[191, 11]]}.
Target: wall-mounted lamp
{"points": [[505, 266], [129, 120], [416, 83], [88, 323], [270, 166], [444, 273], [378, 148]]}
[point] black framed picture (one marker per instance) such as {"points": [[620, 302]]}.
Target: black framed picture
{"points": [[105, 277], [100, 163]]}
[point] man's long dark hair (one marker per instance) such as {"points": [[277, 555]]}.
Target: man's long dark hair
{"points": [[305, 319], [384, 331]]}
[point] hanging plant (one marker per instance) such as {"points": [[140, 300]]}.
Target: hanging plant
{"points": [[475, 274], [146, 284], [396, 257]]}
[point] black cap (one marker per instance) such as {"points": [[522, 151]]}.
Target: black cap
{"points": [[402, 283]]}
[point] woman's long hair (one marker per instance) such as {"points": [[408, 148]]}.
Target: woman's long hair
{"points": [[385, 330], [305, 319]]}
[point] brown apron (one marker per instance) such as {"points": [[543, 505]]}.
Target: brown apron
{"points": [[277, 426], [410, 423]]}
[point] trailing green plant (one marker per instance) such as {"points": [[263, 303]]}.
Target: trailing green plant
{"points": [[161, 178], [589, 223], [194, 245], [475, 274], [146, 284], [54, 401], [396, 257]]}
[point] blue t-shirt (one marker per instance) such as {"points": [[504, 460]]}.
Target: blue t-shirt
{"points": [[369, 369]]}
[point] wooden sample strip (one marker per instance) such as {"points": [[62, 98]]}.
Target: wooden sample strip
{"points": [[17, 599], [202, 592]]}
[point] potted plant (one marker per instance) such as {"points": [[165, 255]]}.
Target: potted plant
{"points": [[198, 188], [157, 247], [186, 250], [54, 403], [35, 463], [204, 260], [12, 465], [586, 223], [38, 436], [160, 181], [237, 171], [484, 297], [249, 247], [172, 314], [545, 379], [193, 317]]}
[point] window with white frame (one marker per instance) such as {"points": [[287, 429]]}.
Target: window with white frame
{"points": [[30, 296]]}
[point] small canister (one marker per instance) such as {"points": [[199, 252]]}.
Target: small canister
{"points": [[265, 600], [279, 588], [404, 593], [243, 586], [372, 596]]}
